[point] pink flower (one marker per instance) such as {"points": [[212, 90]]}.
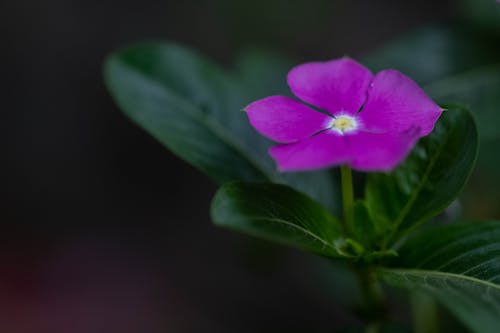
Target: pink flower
{"points": [[367, 122]]}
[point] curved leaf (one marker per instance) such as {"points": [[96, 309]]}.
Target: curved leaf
{"points": [[430, 178], [276, 213], [176, 96], [459, 265], [193, 108]]}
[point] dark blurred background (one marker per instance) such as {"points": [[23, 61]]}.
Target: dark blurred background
{"points": [[103, 230]]}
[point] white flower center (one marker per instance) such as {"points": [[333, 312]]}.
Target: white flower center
{"points": [[344, 124]]}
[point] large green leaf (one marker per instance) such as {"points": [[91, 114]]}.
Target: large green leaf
{"points": [[478, 89], [178, 97], [459, 265], [430, 178], [193, 108], [276, 213]]}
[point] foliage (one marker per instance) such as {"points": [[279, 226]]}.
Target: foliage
{"points": [[193, 108]]}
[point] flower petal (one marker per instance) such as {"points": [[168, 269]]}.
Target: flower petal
{"points": [[360, 150], [338, 86], [284, 119], [395, 103], [380, 152], [320, 151]]}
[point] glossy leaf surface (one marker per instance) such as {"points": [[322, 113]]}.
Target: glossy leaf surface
{"points": [[459, 265], [276, 213], [429, 179]]}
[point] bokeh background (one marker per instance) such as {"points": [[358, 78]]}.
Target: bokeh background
{"points": [[104, 230]]}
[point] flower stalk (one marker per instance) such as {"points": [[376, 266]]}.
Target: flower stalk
{"points": [[374, 304], [347, 197]]}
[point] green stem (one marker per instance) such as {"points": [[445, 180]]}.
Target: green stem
{"points": [[347, 197], [374, 304]]}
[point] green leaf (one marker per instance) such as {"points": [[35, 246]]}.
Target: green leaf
{"points": [[364, 228], [430, 178], [459, 265], [276, 213], [456, 64], [177, 97], [479, 89], [193, 108]]}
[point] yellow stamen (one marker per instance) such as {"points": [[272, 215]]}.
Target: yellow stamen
{"points": [[343, 124]]}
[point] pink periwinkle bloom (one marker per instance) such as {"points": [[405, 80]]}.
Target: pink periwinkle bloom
{"points": [[368, 122]]}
